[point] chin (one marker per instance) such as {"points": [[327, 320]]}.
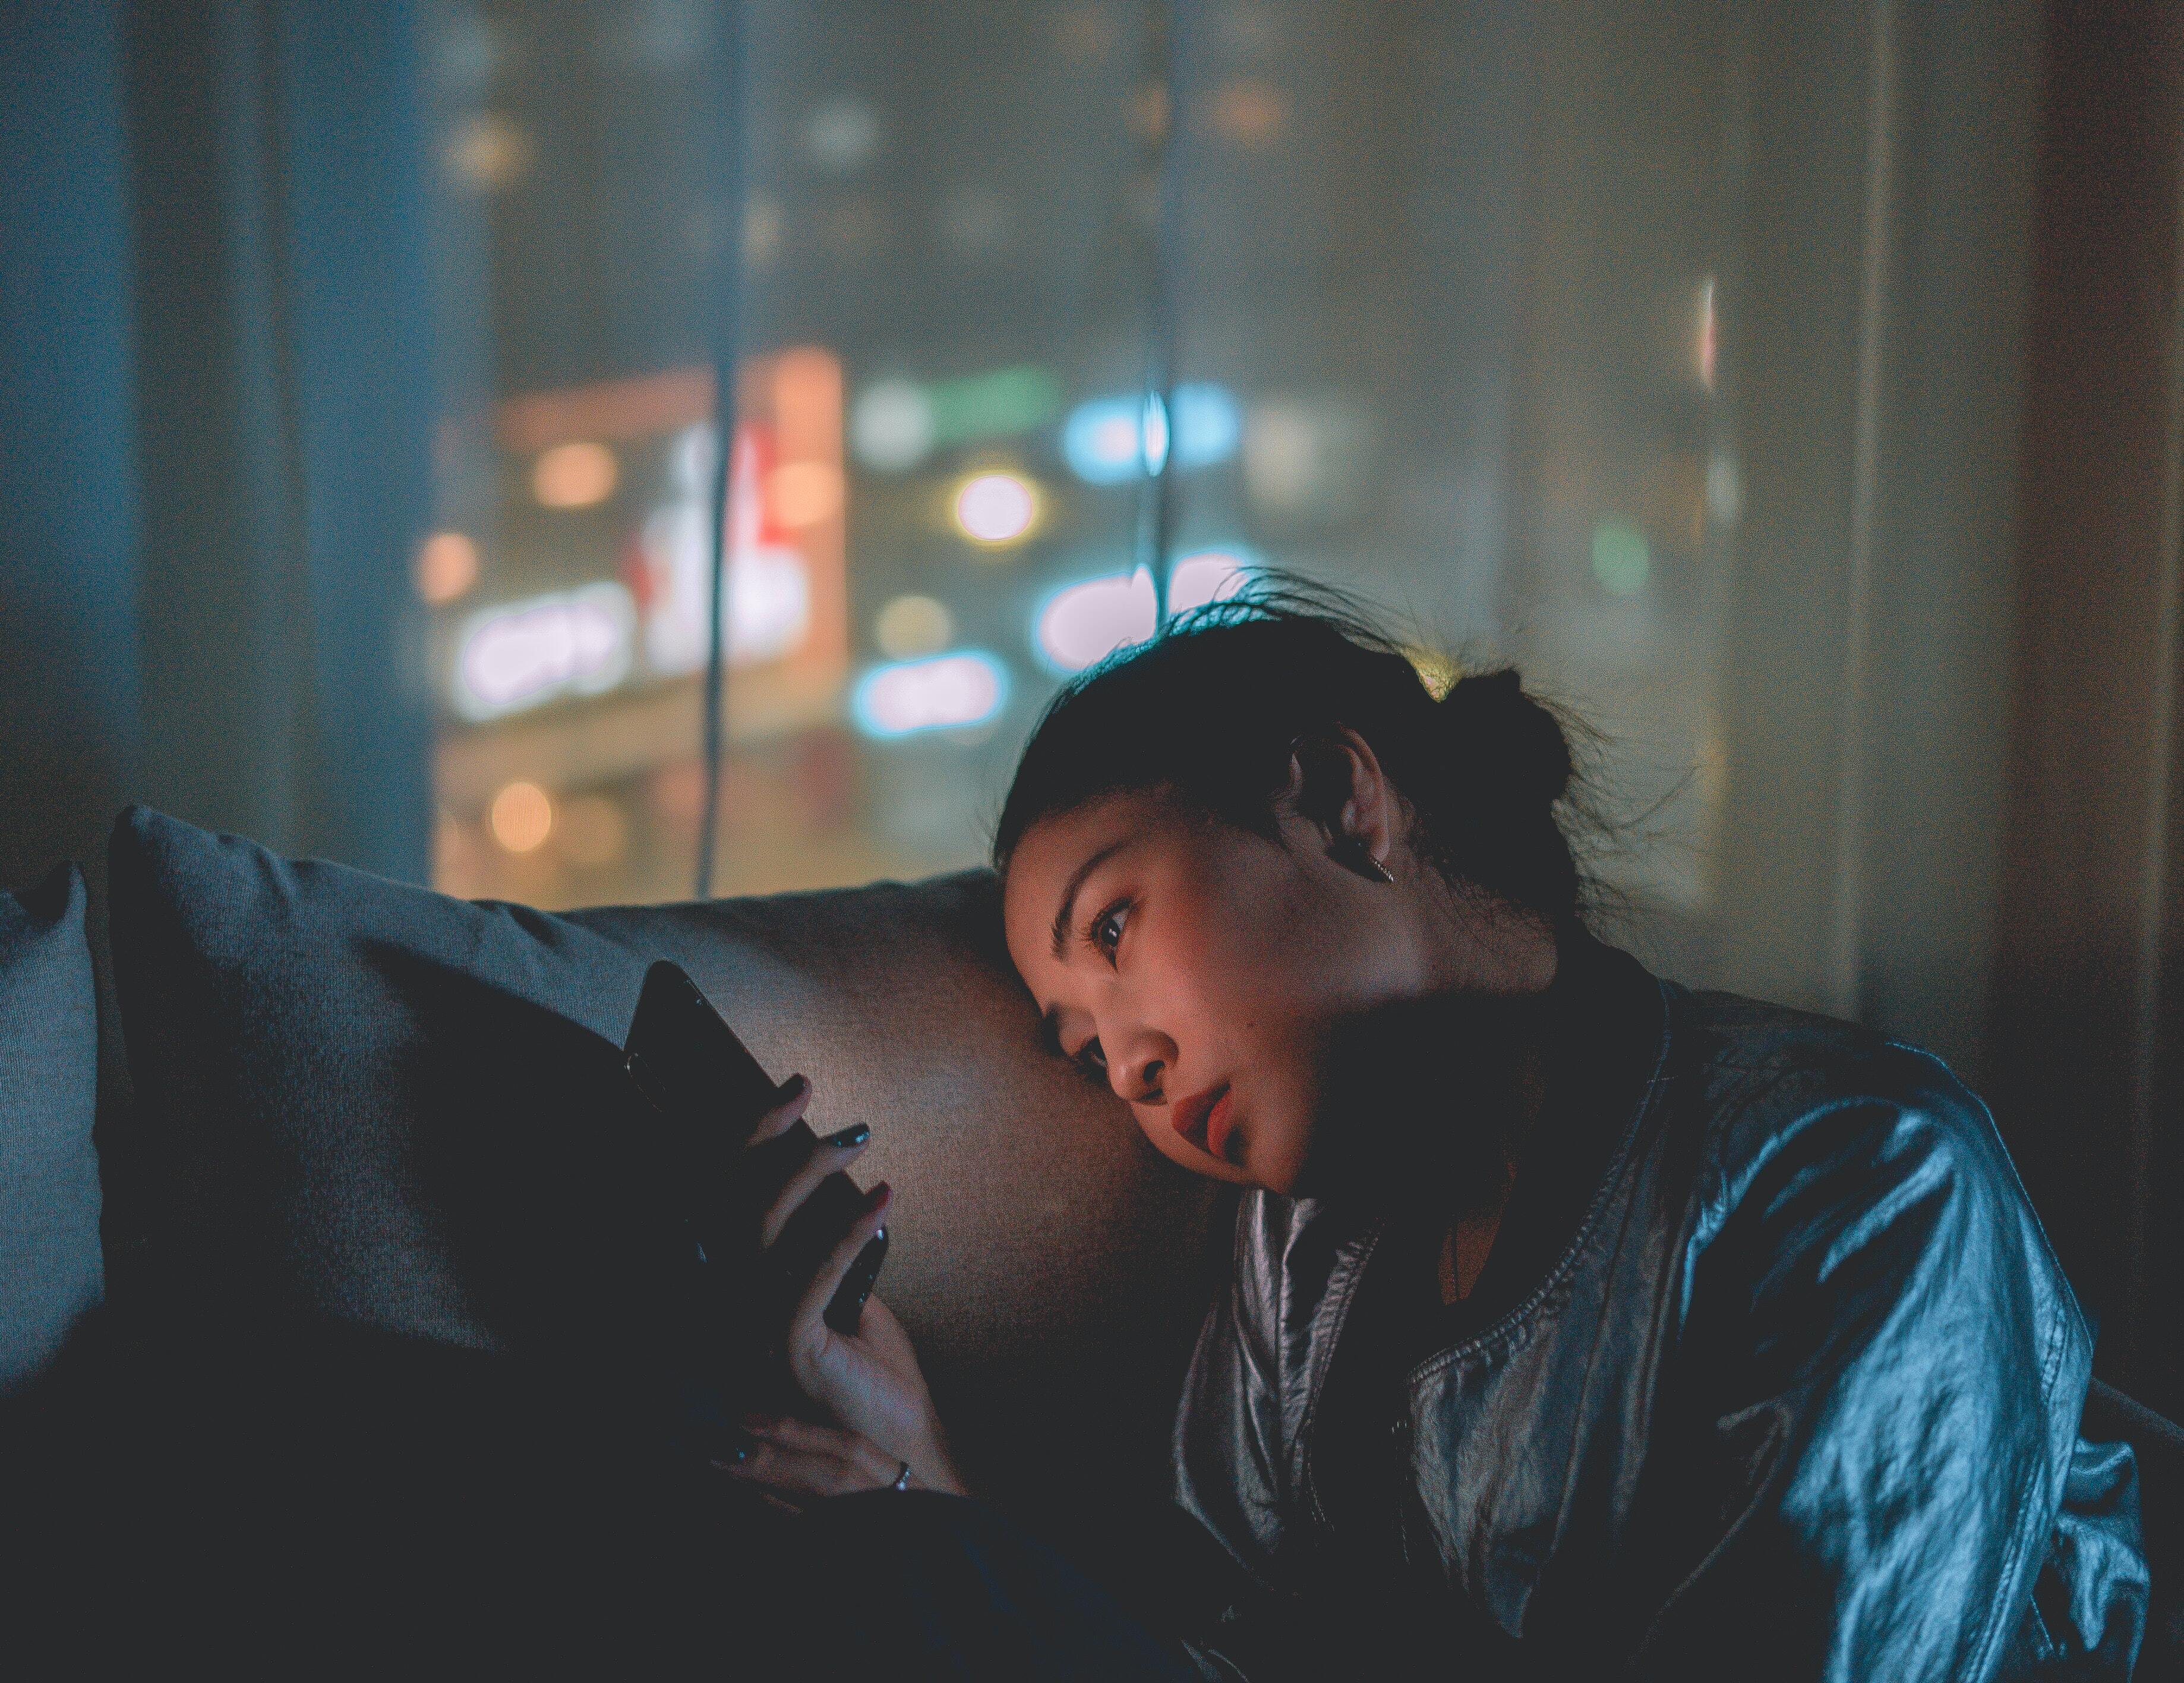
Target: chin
{"points": [[1276, 1165]]}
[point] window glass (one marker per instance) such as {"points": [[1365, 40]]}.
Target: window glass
{"points": [[1435, 303]]}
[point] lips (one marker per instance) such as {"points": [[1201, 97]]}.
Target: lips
{"points": [[1205, 1119], [1220, 1124]]}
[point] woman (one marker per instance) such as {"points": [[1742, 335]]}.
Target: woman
{"points": [[1578, 1323]]}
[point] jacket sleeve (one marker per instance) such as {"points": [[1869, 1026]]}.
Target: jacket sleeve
{"points": [[1880, 1375]]}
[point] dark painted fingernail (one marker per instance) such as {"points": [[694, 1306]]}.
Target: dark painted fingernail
{"points": [[855, 1134], [733, 1448], [876, 1196], [793, 1086]]}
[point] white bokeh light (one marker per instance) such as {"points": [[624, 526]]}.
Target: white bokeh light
{"points": [[891, 427], [947, 692], [996, 508], [1085, 622], [1207, 575]]}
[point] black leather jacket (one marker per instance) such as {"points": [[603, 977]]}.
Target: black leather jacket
{"points": [[1799, 1398]]}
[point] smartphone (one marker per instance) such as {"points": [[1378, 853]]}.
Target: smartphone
{"points": [[709, 1093]]}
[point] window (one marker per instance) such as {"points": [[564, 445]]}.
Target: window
{"points": [[1435, 307]]}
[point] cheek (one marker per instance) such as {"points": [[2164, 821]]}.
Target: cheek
{"points": [[1247, 950]]}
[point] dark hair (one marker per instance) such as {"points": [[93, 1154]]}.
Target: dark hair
{"points": [[1209, 707]]}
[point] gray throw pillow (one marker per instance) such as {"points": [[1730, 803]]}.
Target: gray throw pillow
{"points": [[50, 1270], [318, 1055]]}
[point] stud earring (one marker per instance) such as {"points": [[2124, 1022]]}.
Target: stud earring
{"points": [[1357, 856]]}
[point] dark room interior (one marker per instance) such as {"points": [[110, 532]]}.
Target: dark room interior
{"points": [[497, 495]]}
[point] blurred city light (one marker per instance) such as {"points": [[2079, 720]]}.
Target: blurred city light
{"points": [[1085, 622], [1207, 426], [521, 816], [1307, 455], [575, 475], [446, 567], [769, 600], [1099, 441], [769, 596], [576, 642], [1108, 440], [1209, 576], [896, 424], [803, 493], [489, 152], [994, 404], [891, 428], [980, 273], [995, 509], [841, 134], [911, 626], [946, 692]]}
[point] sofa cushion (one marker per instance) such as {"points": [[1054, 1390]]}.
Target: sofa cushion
{"points": [[50, 1271], [317, 1055]]}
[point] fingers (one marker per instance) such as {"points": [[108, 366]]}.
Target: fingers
{"points": [[802, 1460], [795, 1100], [835, 1151], [806, 1326]]}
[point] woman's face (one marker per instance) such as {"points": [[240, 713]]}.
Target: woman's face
{"points": [[1204, 972]]}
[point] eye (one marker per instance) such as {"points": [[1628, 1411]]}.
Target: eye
{"points": [[1105, 931], [1091, 1062]]}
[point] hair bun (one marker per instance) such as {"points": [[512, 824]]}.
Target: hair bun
{"points": [[1515, 743]]}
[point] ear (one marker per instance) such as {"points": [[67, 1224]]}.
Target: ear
{"points": [[1337, 783]]}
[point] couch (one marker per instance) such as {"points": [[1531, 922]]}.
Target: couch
{"points": [[326, 1203]]}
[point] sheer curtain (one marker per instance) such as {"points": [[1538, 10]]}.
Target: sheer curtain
{"points": [[1669, 351]]}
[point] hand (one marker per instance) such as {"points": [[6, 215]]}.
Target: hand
{"points": [[794, 1461], [868, 1384]]}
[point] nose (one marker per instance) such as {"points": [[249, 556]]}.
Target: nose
{"points": [[1137, 1067]]}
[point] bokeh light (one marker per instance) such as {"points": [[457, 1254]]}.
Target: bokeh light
{"points": [[446, 567], [1087, 621], [1208, 575], [521, 816], [804, 492], [490, 152], [575, 475], [949, 691], [517, 655], [891, 427], [995, 509], [841, 134], [1108, 440]]}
